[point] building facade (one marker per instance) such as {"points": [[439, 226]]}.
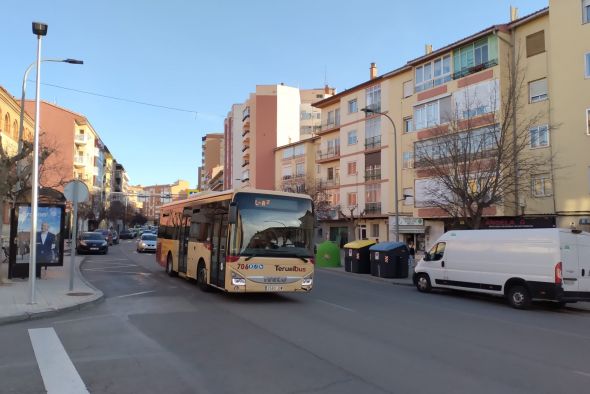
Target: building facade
{"points": [[212, 156]]}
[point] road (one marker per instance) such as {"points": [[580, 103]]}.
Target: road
{"points": [[351, 334]]}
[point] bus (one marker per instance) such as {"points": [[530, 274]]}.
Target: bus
{"points": [[240, 241]]}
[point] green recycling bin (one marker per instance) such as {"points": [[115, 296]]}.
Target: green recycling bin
{"points": [[356, 256], [328, 255]]}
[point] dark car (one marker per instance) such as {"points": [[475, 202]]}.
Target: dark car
{"points": [[108, 236], [92, 242], [126, 234]]}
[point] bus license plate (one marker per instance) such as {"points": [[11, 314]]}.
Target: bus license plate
{"points": [[273, 288]]}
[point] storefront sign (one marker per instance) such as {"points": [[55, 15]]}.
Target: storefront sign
{"points": [[518, 222]]}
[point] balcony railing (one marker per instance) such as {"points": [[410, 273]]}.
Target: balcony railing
{"points": [[472, 70], [245, 163], [328, 183], [373, 207], [81, 138], [372, 174], [79, 160], [373, 142], [328, 153], [246, 147]]}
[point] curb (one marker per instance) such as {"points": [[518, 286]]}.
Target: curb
{"points": [[56, 311], [339, 271]]}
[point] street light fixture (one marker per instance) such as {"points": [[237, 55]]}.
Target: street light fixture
{"points": [[368, 111]]}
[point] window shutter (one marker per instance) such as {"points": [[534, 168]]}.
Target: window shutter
{"points": [[408, 88], [535, 43], [538, 88]]}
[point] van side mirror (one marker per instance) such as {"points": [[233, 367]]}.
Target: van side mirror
{"points": [[427, 257], [233, 213]]}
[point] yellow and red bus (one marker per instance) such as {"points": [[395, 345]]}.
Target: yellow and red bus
{"points": [[243, 240]]}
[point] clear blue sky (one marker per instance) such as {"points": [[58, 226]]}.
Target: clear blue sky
{"points": [[204, 56]]}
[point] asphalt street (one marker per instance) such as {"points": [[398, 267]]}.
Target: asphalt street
{"points": [[351, 334]]}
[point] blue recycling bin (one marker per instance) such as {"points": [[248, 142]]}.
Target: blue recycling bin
{"points": [[389, 260]]}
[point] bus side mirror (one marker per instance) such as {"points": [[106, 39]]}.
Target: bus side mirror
{"points": [[233, 213]]}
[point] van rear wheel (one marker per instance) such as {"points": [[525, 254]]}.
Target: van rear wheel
{"points": [[423, 283], [519, 297]]}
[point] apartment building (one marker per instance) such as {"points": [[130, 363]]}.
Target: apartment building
{"points": [[468, 79], [295, 167], [271, 117], [9, 132], [212, 156], [154, 196], [232, 131]]}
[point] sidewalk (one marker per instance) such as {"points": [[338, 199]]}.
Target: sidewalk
{"points": [[394, 281], [51, 293]]}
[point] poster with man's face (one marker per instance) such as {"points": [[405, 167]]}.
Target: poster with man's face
{"points": [[49, 237]]}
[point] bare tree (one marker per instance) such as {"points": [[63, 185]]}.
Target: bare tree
{"points": [[479, 155]]}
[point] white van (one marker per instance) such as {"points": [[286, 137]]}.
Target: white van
{"points": [[522, 265]]}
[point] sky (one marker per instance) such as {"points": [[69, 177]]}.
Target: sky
{"points": [[199, 57]]}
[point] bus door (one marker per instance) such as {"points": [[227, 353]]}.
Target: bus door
{"points": [[183, 235], [219, 242]]}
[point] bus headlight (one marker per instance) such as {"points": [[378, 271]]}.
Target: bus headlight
{"points": [[237, 279], [307, 280]]}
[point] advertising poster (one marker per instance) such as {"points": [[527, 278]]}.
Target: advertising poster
{"points": [[49, 235]]}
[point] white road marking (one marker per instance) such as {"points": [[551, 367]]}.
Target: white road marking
{"points": [[337, 306], [57, 370], [582, 373], [118, 272], [134, 294]]}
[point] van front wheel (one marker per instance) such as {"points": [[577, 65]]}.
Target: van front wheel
{"points": [[519, 297], [423, 283]]}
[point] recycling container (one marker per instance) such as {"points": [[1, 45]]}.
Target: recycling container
{"points": [[389, 260], [327, 255], [356, 256]]}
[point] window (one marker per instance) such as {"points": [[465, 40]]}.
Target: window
{"points": [[538, 90], [408, 196], [432, 74], [475, 57], [375, 230], [436, 252], [585, 11], [542, 186], [373, 98], [331, 118], [305, 115], [480, 52], [588, 121], [299, 170], [587, 63], [352, 138], [408, 125], [408, 160], [432, 113], [351, 199], [539, 136], [373, 193], [298, 150], [408, 88], [535, 43], [337, 116], [351, 168], [288, 153], [287, 172], [352, 106]]}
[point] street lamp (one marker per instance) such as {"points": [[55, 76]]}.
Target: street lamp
{"points": [[24, 88], [368, 111]]}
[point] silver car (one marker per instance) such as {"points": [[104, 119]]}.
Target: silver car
{"points": [[146, 243]]}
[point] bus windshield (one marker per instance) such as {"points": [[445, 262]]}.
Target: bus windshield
{"points": [[270, 225]]}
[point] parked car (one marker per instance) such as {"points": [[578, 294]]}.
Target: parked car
{"points": [[126, 234], [115, 237], [146, 243], [91, 242], [107, 234], [521, 265]]}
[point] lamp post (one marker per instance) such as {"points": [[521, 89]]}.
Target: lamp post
{"points": [[39, 29], [367, 111]]}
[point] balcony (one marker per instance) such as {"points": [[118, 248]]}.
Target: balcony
{"points": [[373, 142], [245, 163], [246, 131], [79, 161], [472, 70], [81, 139], [372, 208], [245, 148], [373, 174], [330, 153], [329, 183]]}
